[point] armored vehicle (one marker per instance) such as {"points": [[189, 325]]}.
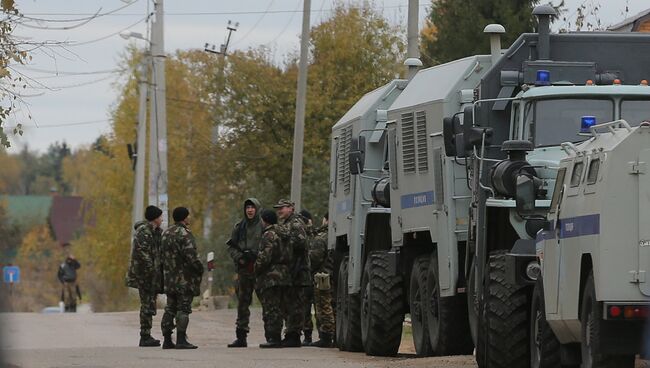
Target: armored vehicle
{"points": [[593, 297], [439, 236]]}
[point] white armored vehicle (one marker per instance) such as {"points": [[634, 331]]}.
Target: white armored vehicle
{"points": [[594, 250], [424, 185]]}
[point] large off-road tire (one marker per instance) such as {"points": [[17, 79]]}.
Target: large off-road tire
{"points": [[348, 329], [506, 323], [544, 345], [591, 318], [418, 297], [382, 307], [449, 332]]}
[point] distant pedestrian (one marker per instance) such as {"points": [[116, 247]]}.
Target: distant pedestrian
{"points": [[273, 279], [321, 265], [145, 270], [183, 271], [292, 230], [243, 245], [67, 275]]}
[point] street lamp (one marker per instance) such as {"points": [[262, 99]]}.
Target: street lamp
{"points": [[130, 34]]}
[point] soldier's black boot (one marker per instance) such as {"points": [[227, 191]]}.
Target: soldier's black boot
{"points": [[307, 340], [168, 343], [291, 340], [324, 342], [182, 343], [147, 340], [273, 341], [240, 342]]}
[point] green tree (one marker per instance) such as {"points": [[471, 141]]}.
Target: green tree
{"points": [[455, 28], [353, 53]]}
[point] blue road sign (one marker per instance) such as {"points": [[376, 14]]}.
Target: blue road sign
{"points": [[11, 274]]}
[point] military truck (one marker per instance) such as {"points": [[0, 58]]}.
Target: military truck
{"points": [[441, 238], [545, 91], [593, 297]]}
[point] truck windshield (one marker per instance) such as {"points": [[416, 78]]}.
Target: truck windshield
{"points": [[635, 111], [555, 121]]}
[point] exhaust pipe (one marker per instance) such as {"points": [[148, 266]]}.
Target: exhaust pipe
{"points": [[495, 31], [544, 14], [413, 61]]}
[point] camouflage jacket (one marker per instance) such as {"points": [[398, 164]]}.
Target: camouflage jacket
{"points": [[145, 268], [293, 231], [319, 256], [272, 266], [182, 267]]}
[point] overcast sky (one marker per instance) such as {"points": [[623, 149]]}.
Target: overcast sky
{"points": [[73, 98]]}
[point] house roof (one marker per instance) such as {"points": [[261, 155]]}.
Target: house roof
{"points": [[27, 209], [628, 23], [66, 218]]}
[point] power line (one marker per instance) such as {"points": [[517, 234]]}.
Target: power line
{"points": [[107, 36], [96, 15], [256, 24], [286, 26], [82, 84], [233, 12], [62, 125], [61, 72]]}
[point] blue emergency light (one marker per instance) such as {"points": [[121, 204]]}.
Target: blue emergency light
{"points": [[587, 122], [543, 78]]}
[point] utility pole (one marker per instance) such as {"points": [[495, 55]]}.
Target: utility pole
{"points": [[159, 114], [301, 100], [138, 191], [223, 51], [413, 61]]}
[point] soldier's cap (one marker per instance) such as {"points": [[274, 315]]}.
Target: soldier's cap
{"points": [[284, 203]]}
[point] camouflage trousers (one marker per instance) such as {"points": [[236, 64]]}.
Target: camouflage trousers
{"points": [[70, 294], [244, 291], [274, 301], [178, 309], [147, 311], [324, 312], [308, 324], [294, 313]]}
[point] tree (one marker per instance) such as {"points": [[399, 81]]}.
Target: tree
{"points": [[11, 173], [39, 258], [353, 53], [455, 28], [10, 53]]}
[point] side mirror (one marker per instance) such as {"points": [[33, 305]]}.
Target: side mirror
{"points": [[472, 135], [357, 155], [525, 196], [449, 136]]}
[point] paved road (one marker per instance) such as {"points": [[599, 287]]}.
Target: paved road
{"points": [[110, 340]]}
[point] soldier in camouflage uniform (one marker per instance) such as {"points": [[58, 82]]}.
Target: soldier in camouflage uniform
{"points": [[321, 263], [308, 324], [273, 279], [243, 245], [145, 270], [182, 278], [292, 230]]}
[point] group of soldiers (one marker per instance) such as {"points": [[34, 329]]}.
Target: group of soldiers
{"points": [[165, 262], [284, 259], [280, 256]]}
